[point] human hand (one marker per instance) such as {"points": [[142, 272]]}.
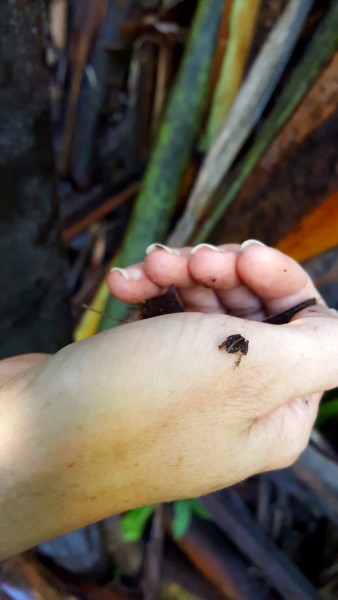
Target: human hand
{"points": [[153, 411], [266, 408]]}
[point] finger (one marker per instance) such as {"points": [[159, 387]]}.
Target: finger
{"points": [[132, 285], [278, 280], [314, 334], [169, 266], [242, 302], [200, 299], [306, 348], [215, 268]]}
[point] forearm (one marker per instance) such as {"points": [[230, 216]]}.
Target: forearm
{"points": [[78, 443], [61, 463]]}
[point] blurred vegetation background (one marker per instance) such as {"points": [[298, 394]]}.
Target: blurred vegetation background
{"points": [[126, 122]]}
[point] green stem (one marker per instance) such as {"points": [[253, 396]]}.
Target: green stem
{"points": [[156, 202]]}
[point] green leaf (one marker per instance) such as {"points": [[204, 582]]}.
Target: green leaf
{"points": [[133, 523], [327, 410], [198, 509], [182, 518]]}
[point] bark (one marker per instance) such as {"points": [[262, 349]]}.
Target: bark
{"points": [[34, 311]]}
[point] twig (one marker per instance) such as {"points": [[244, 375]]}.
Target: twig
{"points": [[320, 474], [96, 214], [211, 553], [231, 515], [79, 56], [154, 555]]}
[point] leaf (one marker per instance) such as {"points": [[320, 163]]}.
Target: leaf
{"points": [[133, 523], [327, 410], [319, 104], [91, 317], [241, 29], [198, 509], [320, 50], [182, 518], [315, 233], [244, 115]]}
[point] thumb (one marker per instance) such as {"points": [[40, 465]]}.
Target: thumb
{"points": [[283, 361], [312, 338]]}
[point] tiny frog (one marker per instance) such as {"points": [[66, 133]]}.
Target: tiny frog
{"points": [[235, 344]]}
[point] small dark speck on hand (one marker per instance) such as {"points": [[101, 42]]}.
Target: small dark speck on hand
{"points": [[235, 344], [214, 280], [285, 270]]}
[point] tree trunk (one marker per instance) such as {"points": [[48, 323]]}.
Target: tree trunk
{"points": [[34, 311]]}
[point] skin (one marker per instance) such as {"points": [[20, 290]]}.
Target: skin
{"points": [[153, 411]]}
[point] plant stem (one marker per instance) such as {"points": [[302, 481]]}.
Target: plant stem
{"points": [[156, 202]]}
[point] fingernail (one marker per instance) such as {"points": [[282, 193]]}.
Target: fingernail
{"points": [[133, 273], [201, 246], [153, 247], [251, 243]]}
